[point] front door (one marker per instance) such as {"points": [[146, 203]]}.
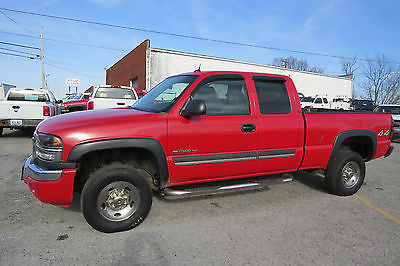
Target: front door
{"points": [[220, 144]]}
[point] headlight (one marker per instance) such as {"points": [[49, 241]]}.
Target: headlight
{"points": [[48, 141], [47, 147]]}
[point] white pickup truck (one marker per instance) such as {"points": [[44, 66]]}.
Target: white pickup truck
{"points": [[26, 108], [315, 102], [322, 102], [111, 96]]}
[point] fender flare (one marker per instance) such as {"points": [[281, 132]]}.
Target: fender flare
{"points": [[342, 136], [151, 145]]}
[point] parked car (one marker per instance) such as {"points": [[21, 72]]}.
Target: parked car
{"points": [[362, 105], [315, 102], [26, 108], [76, 104], [393, 109], [111, 96], [192, 129], [341, 103]]}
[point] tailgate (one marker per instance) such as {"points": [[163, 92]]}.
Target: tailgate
{"points": [[21, 110], [103, 103]]}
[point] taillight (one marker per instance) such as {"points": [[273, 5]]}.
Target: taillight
{"points": [[46, 111], [90, 105]]}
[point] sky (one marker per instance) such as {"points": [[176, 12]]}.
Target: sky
{"points": [[341, 28]]}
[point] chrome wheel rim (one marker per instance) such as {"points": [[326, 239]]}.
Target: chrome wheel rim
{"points": [[118, 201], [351, 174]]}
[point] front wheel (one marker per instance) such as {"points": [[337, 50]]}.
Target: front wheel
{"points": [[345, 174], [116, 198], [1, 131]]}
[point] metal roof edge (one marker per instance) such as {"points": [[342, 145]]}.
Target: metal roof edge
{"points": [[160, 50]]}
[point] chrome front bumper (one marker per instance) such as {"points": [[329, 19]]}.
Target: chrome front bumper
{"points": [[33, 171]]}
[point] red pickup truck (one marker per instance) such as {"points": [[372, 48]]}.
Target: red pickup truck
{"points": [[77, 104], [190, 130]]}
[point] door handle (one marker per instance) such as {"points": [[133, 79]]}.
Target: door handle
{"points": [[248, 128], [120, 103]]}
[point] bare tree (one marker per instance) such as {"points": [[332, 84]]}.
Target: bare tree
{"points": [[297, 64], [382, 80], [349, 65]]}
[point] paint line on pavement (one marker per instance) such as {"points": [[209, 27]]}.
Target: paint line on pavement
{"points": [[390, 163], [376, 208]]}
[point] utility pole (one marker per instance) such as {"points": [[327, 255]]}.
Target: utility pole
{"points": [[285, 62], [41, 56]]}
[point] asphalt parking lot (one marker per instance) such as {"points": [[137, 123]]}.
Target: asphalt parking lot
{"points": [[295, 223]]}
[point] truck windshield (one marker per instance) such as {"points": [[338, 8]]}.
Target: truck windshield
{"points": [[163, 96], [307, 100], [115, 93], [28, 95]]}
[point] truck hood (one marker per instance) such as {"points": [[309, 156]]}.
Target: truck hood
{"points": [[87, 118], [75, 102], [84, 126]]}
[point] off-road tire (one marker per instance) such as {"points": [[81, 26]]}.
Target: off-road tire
{"points": [[101, 198], [345, 174]]}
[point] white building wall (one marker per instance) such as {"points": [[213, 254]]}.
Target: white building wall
{"points": [[164, 63]]}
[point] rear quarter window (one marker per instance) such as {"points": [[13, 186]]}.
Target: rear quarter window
{"points": [[115, 93], [32, 96], [272, 96]]}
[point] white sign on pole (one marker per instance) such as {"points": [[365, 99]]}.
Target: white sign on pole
{"points": [[73, 82]]}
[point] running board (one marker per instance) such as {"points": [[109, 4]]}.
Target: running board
{"points": [[212, 189]]}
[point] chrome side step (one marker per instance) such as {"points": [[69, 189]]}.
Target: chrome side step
{"points": [[213, 189]]}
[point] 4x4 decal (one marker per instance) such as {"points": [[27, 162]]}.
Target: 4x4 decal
{"points": [[384, 134]]}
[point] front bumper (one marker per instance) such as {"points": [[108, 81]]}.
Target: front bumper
{"points": [[49, 186]]}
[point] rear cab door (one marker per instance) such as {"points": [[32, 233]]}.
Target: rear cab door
{"points": [[280, 124]]}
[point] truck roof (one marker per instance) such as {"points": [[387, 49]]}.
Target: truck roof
{"points": [[221, 72]]}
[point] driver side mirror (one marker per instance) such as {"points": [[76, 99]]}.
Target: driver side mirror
{"points": [[194, 107]]}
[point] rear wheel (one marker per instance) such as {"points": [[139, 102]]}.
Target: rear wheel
{"points": [[345, 174], [115, 198], [1, 131]]}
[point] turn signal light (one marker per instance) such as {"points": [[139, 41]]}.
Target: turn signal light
{"points": [[90, 105]]}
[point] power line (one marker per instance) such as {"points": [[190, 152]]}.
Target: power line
{"points": [[71, 71], [18, 55], [175, 34], [64, 41], [15, 22], [185, 36], [19, 45], [12, 50]]}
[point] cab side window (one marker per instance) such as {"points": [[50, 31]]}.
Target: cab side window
{"points": [[318, 100], [272, 96], [224, 97]]}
